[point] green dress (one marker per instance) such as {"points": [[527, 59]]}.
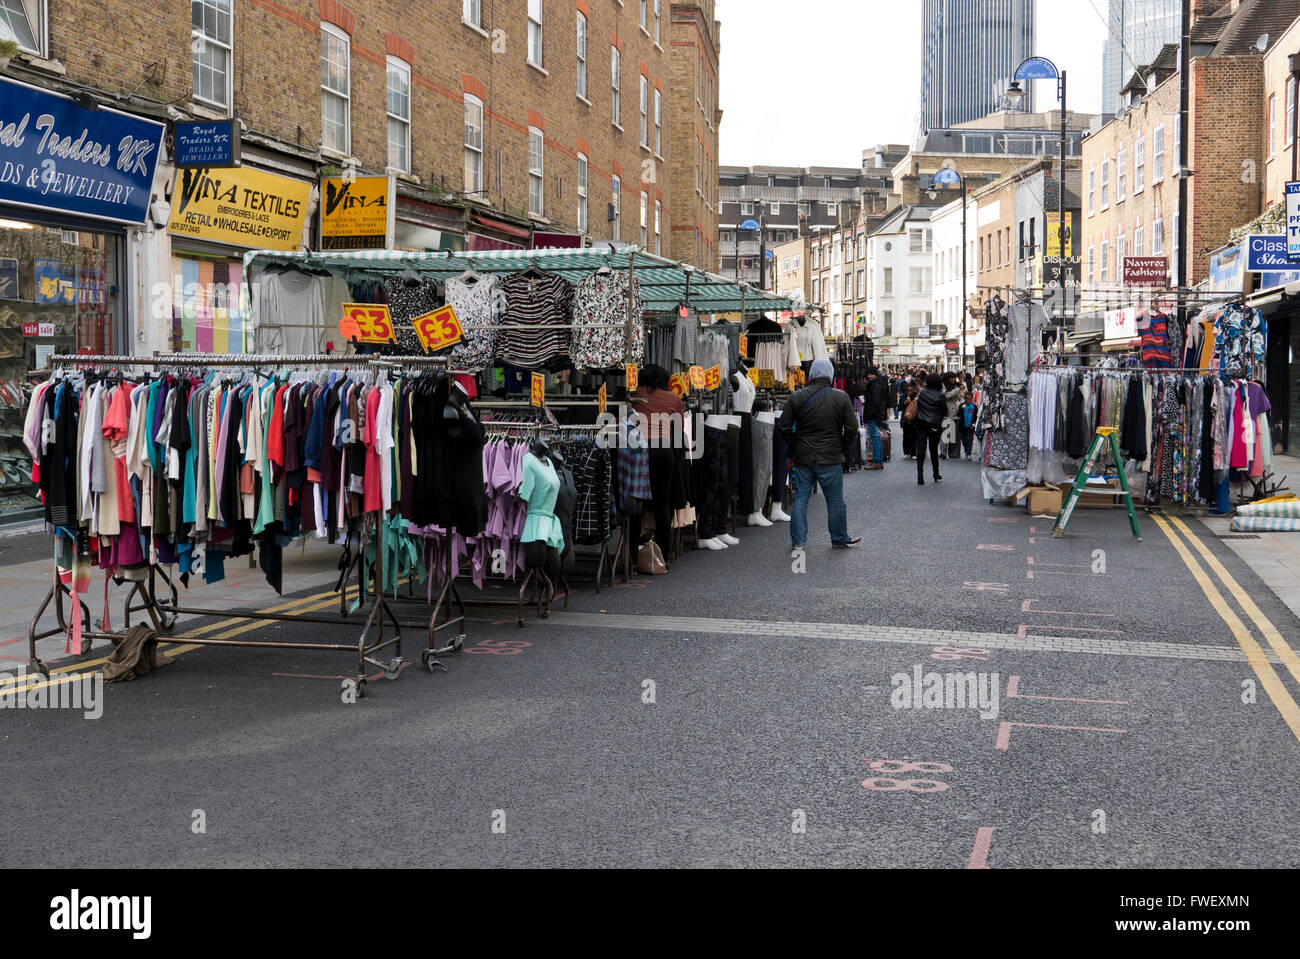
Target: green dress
{"points": [[540, 488]]}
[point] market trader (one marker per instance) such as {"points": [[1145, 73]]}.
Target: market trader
{"points": [[817, 423]]}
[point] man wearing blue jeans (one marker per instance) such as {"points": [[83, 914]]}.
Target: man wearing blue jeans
{"points": [[817, 424]]}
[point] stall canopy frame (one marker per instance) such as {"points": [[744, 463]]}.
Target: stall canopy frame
{"points": [[664, 284]]}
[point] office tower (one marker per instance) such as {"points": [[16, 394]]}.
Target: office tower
{"points": [[1137, 31]]}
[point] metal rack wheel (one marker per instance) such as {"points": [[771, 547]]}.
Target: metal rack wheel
{"points": [[393, 670], [36, 666]]}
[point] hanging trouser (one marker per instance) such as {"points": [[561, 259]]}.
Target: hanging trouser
{"points": [[711, 485], [663, 466], [745, 476], [780, 466], [761, 448], [733, 474]]}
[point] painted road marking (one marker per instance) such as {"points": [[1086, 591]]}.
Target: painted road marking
{"points": [[1026, 607], [846, 632], [1013, 692], [1255, 655], [979, 856], [1262, 622], [1004, 731]]}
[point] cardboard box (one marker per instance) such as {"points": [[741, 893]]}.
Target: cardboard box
{"points": [[1045, 501]]}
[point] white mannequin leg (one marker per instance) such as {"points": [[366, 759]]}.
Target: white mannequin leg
{"points": [[758, 519], [728, 539], [778, 514]]}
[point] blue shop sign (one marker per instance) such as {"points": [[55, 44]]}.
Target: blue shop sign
{"points": [[1226, 274], [208, 143], [1266, 253], [55, 155]]}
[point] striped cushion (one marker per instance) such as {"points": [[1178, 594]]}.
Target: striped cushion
{"points": [[1265, 524]]}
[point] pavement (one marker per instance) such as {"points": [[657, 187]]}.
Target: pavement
{"points": [[1131, 704]]}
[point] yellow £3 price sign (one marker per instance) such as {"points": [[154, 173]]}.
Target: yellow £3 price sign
{"points": [[367, 323], [438, 330], [538, 392]]}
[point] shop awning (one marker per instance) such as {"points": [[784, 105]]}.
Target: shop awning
{"points": [[664, 284]]}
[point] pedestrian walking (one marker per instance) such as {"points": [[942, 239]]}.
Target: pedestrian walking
{"points": [[966, 421], [931, 408], [875, 415], [816, 423], [953, 394], [913, 389]]}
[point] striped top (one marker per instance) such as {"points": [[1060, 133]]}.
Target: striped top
{"points": [[531, 300]]}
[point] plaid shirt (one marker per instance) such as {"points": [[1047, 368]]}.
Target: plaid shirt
{"points": [[633, 465]]}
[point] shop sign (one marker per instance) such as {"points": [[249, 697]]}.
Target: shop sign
{"points": [[537, 392], [1227, 270], [1266, 253], [357, 212], [1293, 221], [439, 329], [1121, 324], [210, 143], [1148, 271], [55, 155], [367, 323], [242, 207], [631, 371]]}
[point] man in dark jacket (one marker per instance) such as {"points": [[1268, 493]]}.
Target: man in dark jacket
{"points": [[817, 422], [875, 415]]}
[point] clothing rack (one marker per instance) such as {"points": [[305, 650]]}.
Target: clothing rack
{"points": [[366, 650]]}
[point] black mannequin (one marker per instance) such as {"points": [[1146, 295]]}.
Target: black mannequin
{"points": [[539, 448], [801, 319]]}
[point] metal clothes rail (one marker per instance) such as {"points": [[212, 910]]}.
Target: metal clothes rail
{"points": [[366, 650]]}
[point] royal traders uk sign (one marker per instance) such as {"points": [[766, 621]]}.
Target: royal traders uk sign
{"points": [[56, 155], [241, 206]]}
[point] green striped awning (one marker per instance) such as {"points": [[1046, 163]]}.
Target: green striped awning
{"points": [[664, 284]]}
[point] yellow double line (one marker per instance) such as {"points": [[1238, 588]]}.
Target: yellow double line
{"points": [[1268, 677], [228, 629]]}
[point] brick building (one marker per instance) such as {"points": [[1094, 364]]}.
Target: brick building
{"points": [[694, 118], [1130, 165]]}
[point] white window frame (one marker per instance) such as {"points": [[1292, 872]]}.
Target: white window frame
{"points": [[617, 185], [645, 219], [329, 30], [1092, 191], [1121, 176], [774, 207], [1272, 125], [1158, 237], [643, 16], [656, 16], [471, 188], [40, 29], [1105, 185], [1289, 123], [615, 67], [645, 111], [1139, 164], [1092, 265], [536, 172], [580, 42], [833, 210], [584, 167], [1158, 155], [659, 123], [403, 68], [471, 12], [1105, 260], [747, 208], [535, 36], [887, 284], [659, 229], [198, 40], [1138, 237]]}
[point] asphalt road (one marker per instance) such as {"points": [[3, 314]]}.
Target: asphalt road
{"points": [[1119, 736]]}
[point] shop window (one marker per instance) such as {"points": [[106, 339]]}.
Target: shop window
{"points": [[211, 43]]}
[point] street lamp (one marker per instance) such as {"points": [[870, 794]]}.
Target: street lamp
{"points": [[949, 177], [1040, 68]]}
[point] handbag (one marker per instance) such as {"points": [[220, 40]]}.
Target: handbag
{"points": [[650, 560], [913, 410]]}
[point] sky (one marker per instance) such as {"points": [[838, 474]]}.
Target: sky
{"points": [[818, 88]]}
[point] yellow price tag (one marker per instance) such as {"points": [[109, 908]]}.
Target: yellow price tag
{"points": [[697, 377], [713, 378], [677, 383], [744, 345], [438, 330], [632, 377], [367, 323], [602, 398], [538, 391]]}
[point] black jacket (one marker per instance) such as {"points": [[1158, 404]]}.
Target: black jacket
{"points": [[875, 403], [817, 423], [932, 408]]}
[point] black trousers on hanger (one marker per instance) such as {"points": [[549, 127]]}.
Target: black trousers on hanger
{"points": [[663, 466]]}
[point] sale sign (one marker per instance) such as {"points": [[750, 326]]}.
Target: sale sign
{"points": [[713, 378], [538, 392], [632, 379], [679, 385], [367, 323], [744, 345], [438, 330], [697, 377], [602, 398]]}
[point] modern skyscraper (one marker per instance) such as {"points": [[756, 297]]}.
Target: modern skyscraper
{"points": [[1137, 31], [972, 49]]}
